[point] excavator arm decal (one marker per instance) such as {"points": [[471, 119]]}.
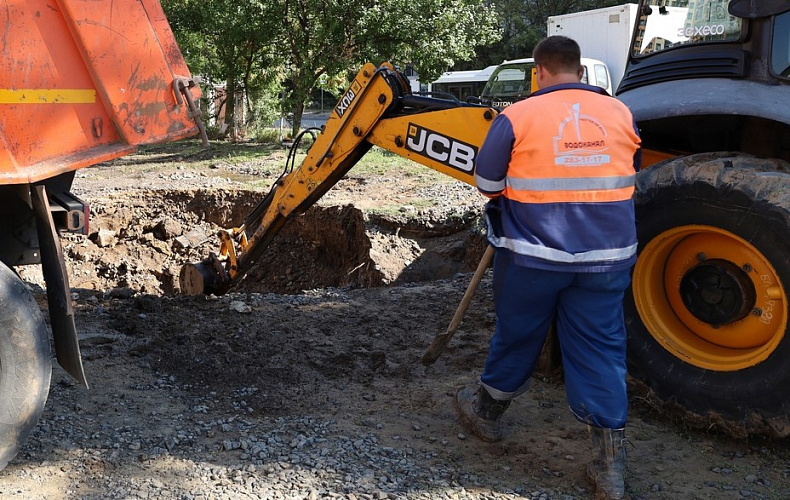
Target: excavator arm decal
{"points": [[436, 146], [452, 151]]}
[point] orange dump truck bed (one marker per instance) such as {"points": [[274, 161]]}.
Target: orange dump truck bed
{"points": [[85, 81]]}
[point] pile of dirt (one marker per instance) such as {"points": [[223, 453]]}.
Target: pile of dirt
{"points": [[139, 242]]}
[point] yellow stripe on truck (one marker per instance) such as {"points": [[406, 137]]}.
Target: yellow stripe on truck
{"points": [[47, 96]]}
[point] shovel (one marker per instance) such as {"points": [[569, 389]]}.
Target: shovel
{"points": [[441, 340]]}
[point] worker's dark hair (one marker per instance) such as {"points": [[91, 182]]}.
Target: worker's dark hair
{"points": [[558, 54]]}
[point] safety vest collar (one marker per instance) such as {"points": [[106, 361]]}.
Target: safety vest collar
{"points": [[569, 86]]}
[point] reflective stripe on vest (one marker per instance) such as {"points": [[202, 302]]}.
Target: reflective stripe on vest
{"points": [[489, 186], [579, 189], [523, 247]]}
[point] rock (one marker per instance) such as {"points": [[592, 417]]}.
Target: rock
{"points": [[240, 307], [194, 238], [167, 229], [122, 293], [104, 238]]}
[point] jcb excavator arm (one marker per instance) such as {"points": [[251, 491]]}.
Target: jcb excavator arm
{"points": [[377, 109]]}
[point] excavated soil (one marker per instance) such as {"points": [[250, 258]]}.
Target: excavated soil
{"points": [[333, 321], [140, 241]]}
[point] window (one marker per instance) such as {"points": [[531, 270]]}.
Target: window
{"points": [[510, 80], [601, 76], [780, 46], [667, 23]]}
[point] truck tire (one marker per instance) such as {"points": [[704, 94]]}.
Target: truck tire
{"points": [[707, 312], [25, 363]]}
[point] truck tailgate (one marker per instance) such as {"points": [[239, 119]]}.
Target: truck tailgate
{"points": [[83, 82]]}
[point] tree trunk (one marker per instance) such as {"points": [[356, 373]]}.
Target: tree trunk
{"points": [[298, 111], [230, 107]]}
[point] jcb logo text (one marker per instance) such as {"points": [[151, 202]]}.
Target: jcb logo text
{"points": [[445, 150]]}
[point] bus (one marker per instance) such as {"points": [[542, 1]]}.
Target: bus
{"points": [[462, 84]]}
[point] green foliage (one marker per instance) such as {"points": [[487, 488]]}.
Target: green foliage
{"points": [[277, 52], [213, 132], [264, 104], [331, 37], [265, 135], [230, 42], [432, 35], [257, 46]]}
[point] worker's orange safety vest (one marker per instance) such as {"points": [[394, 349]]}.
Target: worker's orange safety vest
{"points": [[560, 169], [584, 154]]}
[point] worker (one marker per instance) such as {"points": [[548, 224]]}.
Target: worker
{"points": [[559, 169]]}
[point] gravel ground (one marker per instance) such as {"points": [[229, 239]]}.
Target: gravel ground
{"points": [[144, 431], [139, 433]]}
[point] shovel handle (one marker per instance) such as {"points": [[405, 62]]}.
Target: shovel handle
{"points": [[441, 340]]}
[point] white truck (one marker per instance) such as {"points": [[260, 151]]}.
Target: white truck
{"points": [[511, 81], [603, 34]]}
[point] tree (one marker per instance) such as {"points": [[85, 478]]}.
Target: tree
{"points": [[333, 36], [244, 42], [432, 35], [523, 25], [232, 41]]}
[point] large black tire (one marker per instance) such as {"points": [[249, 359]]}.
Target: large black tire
{"points": [[25, 364], [707, 313]]}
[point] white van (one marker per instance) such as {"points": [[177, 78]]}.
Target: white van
{"points": [[511, 81]]}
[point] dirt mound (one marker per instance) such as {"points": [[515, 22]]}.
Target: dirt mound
{"points": [[139, 242]]}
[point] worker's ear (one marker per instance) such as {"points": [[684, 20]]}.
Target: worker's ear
{"points": [[580, 73]]}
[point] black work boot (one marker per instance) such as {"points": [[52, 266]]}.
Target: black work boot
{"points": [[480, 413], [607, 468]]}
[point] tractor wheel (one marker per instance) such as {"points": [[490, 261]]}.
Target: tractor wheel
{"points": [[707, 313], [25, 363]]}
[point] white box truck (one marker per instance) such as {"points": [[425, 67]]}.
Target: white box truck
{"points": [[603, 34]]}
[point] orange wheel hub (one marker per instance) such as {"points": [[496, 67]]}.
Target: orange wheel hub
{"points": [[710, 297]]}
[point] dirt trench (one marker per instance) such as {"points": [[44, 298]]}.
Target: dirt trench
{"points": [[138, 243]]}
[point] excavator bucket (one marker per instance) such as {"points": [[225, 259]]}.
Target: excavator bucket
{"points": [[83, 82], [205, 277]]}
